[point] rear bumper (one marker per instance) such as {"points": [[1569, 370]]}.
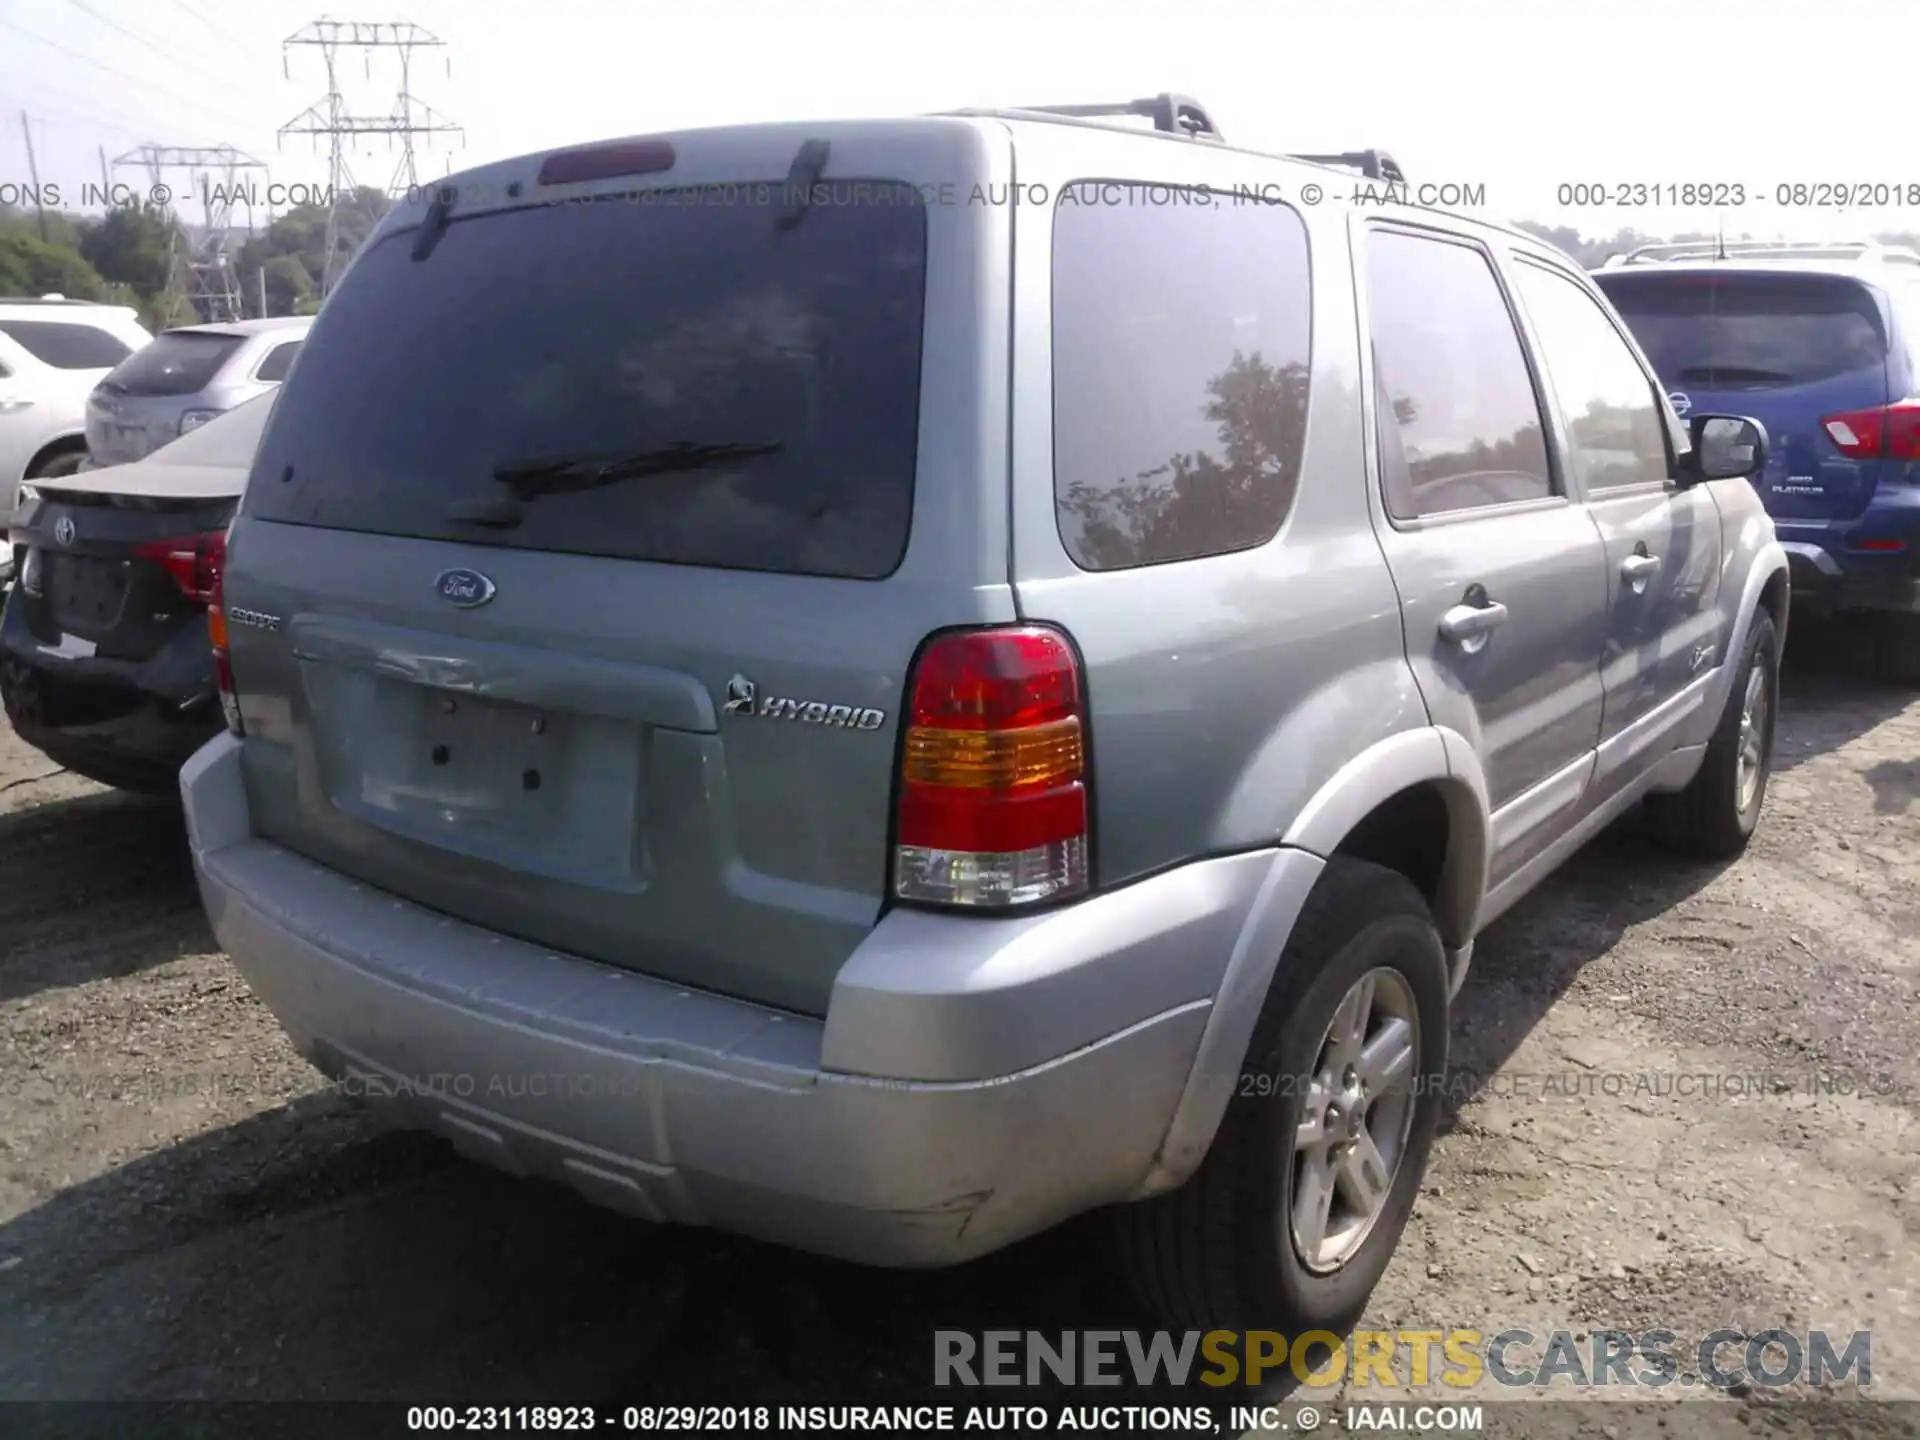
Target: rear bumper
{"points": [[951, 1102], [128, 723], [1834, 567]]}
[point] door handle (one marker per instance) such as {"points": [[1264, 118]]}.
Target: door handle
{"points": [[1469, 625], [1636, 570]]}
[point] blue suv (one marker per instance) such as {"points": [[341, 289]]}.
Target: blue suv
{"points": [[1821, 343]]}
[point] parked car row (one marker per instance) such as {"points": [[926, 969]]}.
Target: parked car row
{"points": [[105, 661], [929, 734], [53, 351], [83, 386]]}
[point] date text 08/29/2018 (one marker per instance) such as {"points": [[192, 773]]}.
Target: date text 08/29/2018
{"points": [[1738, 195]]}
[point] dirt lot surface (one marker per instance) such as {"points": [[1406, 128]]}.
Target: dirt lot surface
{"points": [[185, 1211]]}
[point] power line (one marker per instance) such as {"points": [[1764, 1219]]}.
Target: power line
{"points": [[328, 116], [212, 284], [99, 124], [42, 98], [165, 54], [224, 34], [122, 75]]}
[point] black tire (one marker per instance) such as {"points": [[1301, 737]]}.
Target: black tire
{"points": [[1218, 1253], [1709, 820], [1897, 651], [62, 462]]}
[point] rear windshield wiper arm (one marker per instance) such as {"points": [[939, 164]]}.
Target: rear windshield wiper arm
{"points": [[539, 475]]}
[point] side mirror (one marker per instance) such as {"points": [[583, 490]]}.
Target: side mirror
{"points": [[1725, 447]]}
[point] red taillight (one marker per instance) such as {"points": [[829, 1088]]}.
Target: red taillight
{"points": [[1884, 546], [192, 561], [605, 162], [1885, 432], [993, 772], [217, 632], [993, 793]]}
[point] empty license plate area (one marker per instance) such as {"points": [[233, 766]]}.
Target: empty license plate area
{"points": [[85, 592], [553, 793]]}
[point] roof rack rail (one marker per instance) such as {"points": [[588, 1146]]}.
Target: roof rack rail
{"points": [[1374, 164], [1865, 251], [42, 300], [1172, 113]]}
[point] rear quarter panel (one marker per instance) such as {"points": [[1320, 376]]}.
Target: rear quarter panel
{"points": [[1224, 692]]}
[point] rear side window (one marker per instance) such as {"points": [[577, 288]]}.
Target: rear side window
{"points": [[1459, 421], [274, 367], [65, 346], [180, 362], [1180, 347], [687, 383], [1750, 332]]}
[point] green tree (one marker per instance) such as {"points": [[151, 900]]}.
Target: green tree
{"points": [[32, 266], [300, 237], [134, 246]]}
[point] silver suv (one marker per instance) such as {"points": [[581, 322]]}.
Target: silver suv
{"points": [[185, 378], [881, 718]]}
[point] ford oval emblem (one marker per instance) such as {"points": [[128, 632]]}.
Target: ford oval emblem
{"points": [[465, 588]]}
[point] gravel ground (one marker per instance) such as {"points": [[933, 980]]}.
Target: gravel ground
{"points": [[185, 1211]]}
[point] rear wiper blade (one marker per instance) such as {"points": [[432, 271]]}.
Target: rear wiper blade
{"points": [[551, 474], [536, 475]]}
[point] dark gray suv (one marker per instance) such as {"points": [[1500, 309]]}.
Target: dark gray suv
{"points": [[783, 690]]}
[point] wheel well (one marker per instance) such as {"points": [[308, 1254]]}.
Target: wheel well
{"points": [[52, 448], [1408, 832], [1773, 596]]}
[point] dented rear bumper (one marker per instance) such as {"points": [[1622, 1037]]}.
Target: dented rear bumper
{"points": [[974, 1081]]}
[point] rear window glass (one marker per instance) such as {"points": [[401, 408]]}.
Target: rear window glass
{"points": [[684, 383], [66, 346], [1750, 332], [274, 367], [1180, 345], [180, 362]]}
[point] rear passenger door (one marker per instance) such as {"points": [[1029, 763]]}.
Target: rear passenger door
{"points": [[1664, 627], [1501, 577]]}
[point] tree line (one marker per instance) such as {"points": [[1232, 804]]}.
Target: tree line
{"points": [[136, 255]]}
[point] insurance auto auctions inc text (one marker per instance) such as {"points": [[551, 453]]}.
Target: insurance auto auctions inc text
{"points": [[1404, 1359]]}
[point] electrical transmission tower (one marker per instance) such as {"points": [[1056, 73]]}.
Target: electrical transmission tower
{"points": [[408, 118], [202, 271]]}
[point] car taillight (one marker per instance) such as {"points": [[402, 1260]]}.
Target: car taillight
{"points": [[1885, 432], [993, 787], [192, 561], [217, 633]]}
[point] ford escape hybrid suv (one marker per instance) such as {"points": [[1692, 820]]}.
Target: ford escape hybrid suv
{"points": [[783, 691]]}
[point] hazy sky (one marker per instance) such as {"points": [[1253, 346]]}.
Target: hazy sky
{"points": [[1520, 98]]}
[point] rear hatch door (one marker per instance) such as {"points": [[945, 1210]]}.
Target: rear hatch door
{"points": [[136, 408], [1788, 349], [592, 539]]}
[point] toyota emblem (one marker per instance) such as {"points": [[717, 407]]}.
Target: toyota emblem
{"points": [[63, 530]]}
